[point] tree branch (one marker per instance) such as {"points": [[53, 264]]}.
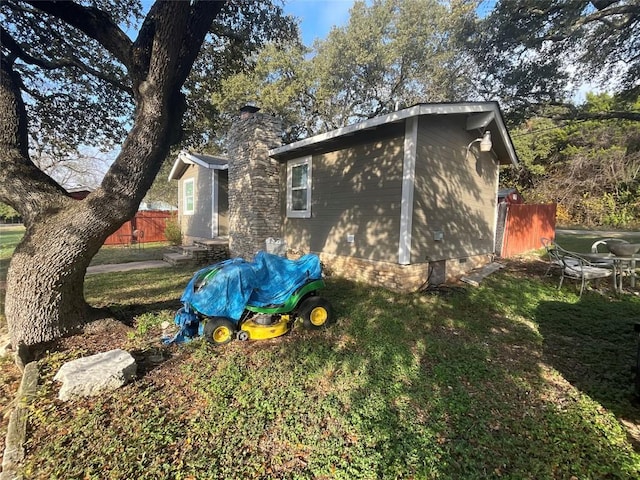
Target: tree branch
{"points": [[93, 22], [67, 62], [19, 177], [620, 115], [602, 16]]}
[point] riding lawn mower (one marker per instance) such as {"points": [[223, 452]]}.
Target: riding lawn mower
{"points": [[258, 300]]}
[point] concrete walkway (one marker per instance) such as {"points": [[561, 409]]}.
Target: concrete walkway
{"points": [[125, 267]]}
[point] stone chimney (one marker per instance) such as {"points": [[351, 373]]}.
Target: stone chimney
{"points": [[255, 213]]}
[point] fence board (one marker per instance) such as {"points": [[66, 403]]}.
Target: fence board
{"points": [[525, 225], [149, 223]]}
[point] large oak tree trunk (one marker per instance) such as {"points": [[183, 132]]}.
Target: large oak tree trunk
{"points": [[45, 298], [45, 281]]}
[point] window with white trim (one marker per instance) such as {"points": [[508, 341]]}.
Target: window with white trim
{"points": [[188, 205], [299, 187]]}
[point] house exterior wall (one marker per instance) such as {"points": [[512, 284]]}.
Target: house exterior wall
{"points": [[454, 196], [199, 224], [357, 191], [223, 203]]}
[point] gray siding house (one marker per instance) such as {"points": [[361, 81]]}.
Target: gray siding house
{"points": [[400, 199], [203, 200]]}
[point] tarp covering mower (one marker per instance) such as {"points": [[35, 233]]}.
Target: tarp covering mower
{"points": [[252, 300]]}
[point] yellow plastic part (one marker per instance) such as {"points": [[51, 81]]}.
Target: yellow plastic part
{"points": [[222, 334], [263, 332], [318, 316]]}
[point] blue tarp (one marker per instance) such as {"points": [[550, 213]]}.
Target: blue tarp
{"points": [[226, 288]]}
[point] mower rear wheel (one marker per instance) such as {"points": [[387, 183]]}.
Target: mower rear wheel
{"points": [[219, 330], [316, 312]]}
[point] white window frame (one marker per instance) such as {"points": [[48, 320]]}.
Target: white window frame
{"points": [[291, 164], [191, 211]]}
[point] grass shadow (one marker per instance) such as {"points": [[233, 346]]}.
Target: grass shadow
{"points": [[593, 344]]}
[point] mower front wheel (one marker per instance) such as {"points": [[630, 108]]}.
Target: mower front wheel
{"points": [[219, 330], [316, 312]]}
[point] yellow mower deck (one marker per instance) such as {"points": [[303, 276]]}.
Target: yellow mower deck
{"points": [[263, 332]]}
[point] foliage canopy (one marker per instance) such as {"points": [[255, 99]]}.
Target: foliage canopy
{"points": [[391, 53], [591, 168], [536, 52]]}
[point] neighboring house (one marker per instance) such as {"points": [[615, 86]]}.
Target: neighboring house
{"points": [[398, 200], [157, 205], [79, 192], [203, 205], [401, 198], [509, 195]]}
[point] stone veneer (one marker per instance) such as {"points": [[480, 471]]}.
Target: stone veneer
{"points": [[401, 278], [254, 184]]}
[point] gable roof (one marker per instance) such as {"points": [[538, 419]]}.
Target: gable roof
{"points": [[206, 161], [479, 115]]}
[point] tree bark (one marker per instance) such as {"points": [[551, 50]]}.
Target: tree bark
{"points": [[45, 282]]}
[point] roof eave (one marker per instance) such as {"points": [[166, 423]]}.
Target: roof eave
{"points": [[401, 115], [185, 158]]}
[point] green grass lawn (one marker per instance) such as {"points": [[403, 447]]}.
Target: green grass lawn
{"points": [[9, 238], [119, 254], [581, 242], [513, 379]]}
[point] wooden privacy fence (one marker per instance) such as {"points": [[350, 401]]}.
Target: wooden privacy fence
{"points": [[145, 226], [521, 226]]}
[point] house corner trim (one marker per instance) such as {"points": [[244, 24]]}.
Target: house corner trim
{"points": [[408, 184]]}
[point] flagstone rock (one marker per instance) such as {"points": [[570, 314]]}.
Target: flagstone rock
{"points": [[90, 376]]}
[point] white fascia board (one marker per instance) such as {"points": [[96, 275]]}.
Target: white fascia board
{"points": [[176, 165], [417, 110], [480, 120], [194, 160], [506, 138], [408, 186], [185, 158], [339, 132]]}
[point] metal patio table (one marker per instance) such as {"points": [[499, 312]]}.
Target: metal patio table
{"points": [[619, 263]]}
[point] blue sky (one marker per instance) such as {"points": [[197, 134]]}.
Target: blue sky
{"points": [[316, 17]]}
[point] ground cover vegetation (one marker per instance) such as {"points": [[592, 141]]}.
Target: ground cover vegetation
{"points": [[513, 379]]}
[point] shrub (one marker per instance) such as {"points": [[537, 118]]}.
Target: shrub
{"points": [[172, 231]]}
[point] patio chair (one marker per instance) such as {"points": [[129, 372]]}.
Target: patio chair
{"points": [[624, 268], [604, 241], [552, 257], [578, 268]]}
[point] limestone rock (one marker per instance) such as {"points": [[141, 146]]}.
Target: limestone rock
{"points": [[90, 376]]}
